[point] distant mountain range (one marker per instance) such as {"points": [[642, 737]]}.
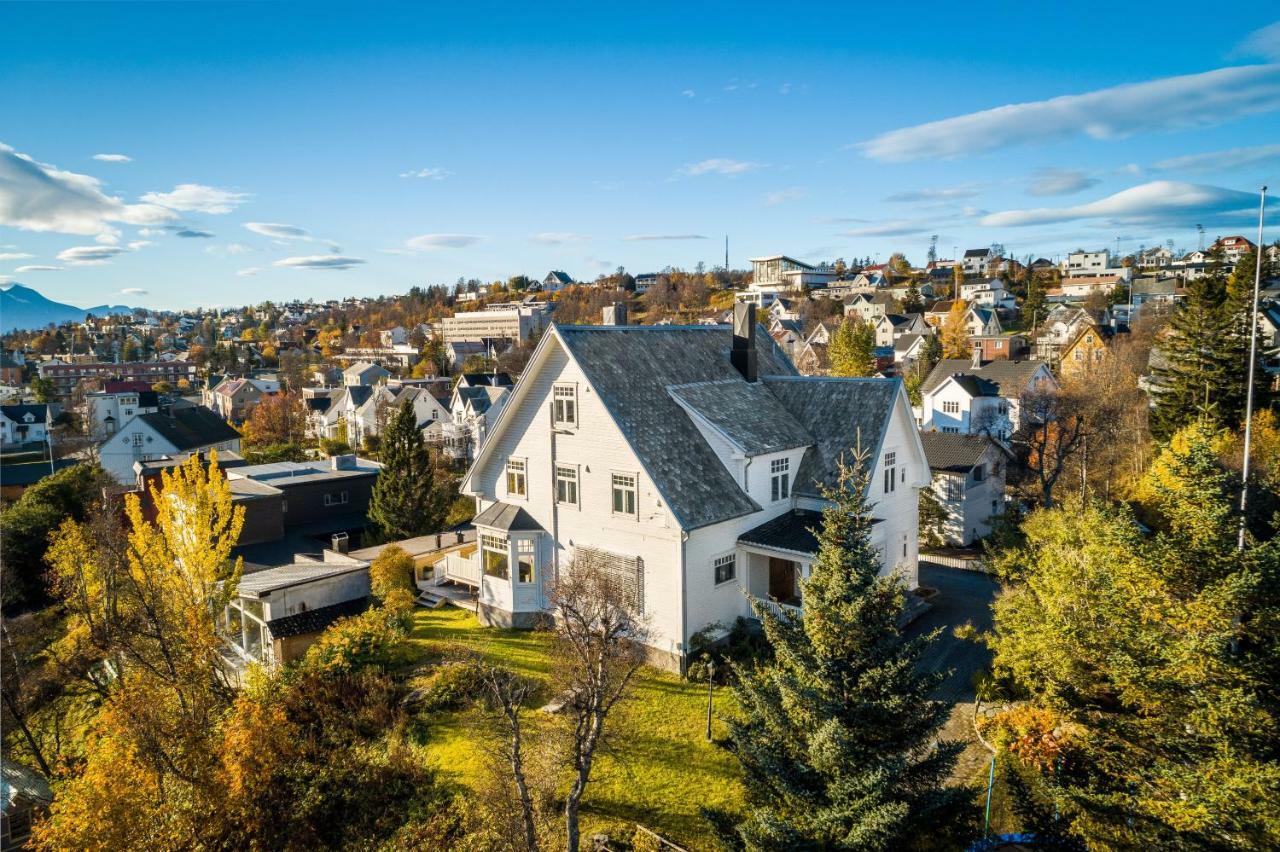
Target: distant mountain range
{"points": [[22, 308]]}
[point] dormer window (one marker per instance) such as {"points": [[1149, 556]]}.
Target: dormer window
{"points": [[779, 479], [565, 405]]}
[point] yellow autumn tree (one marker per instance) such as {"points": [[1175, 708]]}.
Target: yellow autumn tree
{"points": [[955, 334], [146, 602]]}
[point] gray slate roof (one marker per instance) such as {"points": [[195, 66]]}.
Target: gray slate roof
{"points": [[259, 584], [748, 414], [791, 531], [18, 412], [835, 412], [315, 620], [631, 368], [190, 428], [1004, 378], [953, 453], [504, 516]]}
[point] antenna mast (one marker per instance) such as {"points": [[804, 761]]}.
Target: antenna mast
{"points": [[726, 252]]}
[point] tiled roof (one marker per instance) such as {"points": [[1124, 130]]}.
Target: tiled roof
{"points": [[837, 413], [792, 531], [953, 453], [631, 368], [315, 620], [190, 428], [749, 415], [1007, 378]]}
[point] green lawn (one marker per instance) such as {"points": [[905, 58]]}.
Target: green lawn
{"points": [[665, 769]]}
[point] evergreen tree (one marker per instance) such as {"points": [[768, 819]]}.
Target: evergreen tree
{"points": [[1033, 306], [836, 734], [406, 499], [853, 349], [1205, 353]]}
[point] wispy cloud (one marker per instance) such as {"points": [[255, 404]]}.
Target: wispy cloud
{"points": [[1060, 182], [689, 93], [38, 268], [1170, 103], [1264, 42], [139, 244], [36, 196], [938, 193], [278, 231], [719, 166], [638, 238], [897, 228], [555, 238], [193, 234], [320, 261], [781, 196], [1217, 161], [248, 272], [427, 174], [784, 89], [431, 242], [133, 291], [1155, 202], [15, 255], [198, 198], [89, 255], [113, 158]]}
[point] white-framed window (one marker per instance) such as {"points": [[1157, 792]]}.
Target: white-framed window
{"points": [[567, 484], [624, 494], [890, 476], [137, 439], [517, 484], [725, 568], [950, 406], [494, 556], [779, 479], [565, 405], [954, 487], [951, 430], [526, 560]]}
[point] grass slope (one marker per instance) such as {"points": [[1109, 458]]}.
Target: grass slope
{"points": [[662, 769]]}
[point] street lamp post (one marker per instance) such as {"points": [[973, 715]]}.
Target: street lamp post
{"points": [[1253, 357], [711, 682]]}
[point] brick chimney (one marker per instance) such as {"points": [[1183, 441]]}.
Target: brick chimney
{"points": [[743, 353]]}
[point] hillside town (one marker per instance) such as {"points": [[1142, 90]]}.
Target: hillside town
{"points": [[678, 428]]}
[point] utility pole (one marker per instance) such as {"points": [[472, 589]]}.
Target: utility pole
{"points": [[726, 252], [1253, 358]]}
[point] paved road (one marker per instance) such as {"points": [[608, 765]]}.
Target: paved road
{"points": [[963, 597]]}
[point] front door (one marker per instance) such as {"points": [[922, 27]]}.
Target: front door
{"points": [[783, 581]]}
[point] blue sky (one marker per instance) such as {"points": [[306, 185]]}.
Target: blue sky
{"points": [[171, 155]]}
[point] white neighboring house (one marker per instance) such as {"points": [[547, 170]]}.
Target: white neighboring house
{"points": [[164, 433], [979, 397], [477, 401], [777, 274], [24, 424], [394, 336], [556, 281], [975, 261], [968, 480], [869, 307], [106, 412], [988, 294], [1081, 262], [889, 327], [384, 403], [364, 373], [689, 460]]}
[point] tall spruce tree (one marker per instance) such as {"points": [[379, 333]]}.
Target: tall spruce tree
{"points": [[1205, 353], [407, 500], [836, 735]]}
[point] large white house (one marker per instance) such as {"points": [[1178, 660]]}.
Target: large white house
{"points": [[164, 433], [690, 460], [968, 481], [979, 397]]}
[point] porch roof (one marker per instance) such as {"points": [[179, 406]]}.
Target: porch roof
{"points": [[504, 516], [791, 531]]}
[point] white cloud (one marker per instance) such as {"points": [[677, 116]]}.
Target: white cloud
{"points": [[15, 255], [1157, 201], [89, 255], [249, 272], [1264, 42], [1170, 103], [199, 198], [428, 174], [1215, 161], [784, 89], [431, 242], [940, 193], [194, 234], [689, 93], [319, 261], [278, 231], [113, 158], [139, 244], [896, 228], [638, 238], [1061, 182], [108, 238], [555, 238], [37, 268], [791, 193], [133, 291], [719, 166], [36, 196]]}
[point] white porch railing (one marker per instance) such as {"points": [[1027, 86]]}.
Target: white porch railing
{"points": [[464, 569], [781, 608]]}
